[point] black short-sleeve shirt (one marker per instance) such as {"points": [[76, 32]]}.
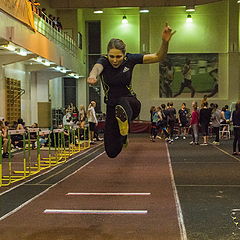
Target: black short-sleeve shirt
{"points": [[117, 81]]}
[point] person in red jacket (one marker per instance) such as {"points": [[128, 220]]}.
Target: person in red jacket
{"points": [[194, 123]]}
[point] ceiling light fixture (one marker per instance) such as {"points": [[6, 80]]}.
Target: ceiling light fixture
{"points": [[190, 8], [9, 47], [21, 52], [143, 10], [97, 11], [124, 20]]}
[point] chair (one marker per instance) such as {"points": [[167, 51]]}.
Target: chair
{"points": [[225, 130]]}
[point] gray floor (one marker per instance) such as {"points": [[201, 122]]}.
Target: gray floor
{"points": [[208, 184]]}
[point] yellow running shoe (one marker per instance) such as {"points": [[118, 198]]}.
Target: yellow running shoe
{"points": [[122, 120]]}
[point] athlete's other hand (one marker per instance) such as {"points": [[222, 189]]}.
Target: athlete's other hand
{"points": [[91, 80], [167, 33]]}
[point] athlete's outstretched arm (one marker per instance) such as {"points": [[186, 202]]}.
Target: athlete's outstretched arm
{"points": [[95, 72], [161, 53]]}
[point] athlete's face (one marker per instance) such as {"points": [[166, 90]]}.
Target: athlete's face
{"points": [[115, 57]]}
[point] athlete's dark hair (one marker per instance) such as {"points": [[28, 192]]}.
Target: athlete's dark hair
{"points": [[116, 43]]}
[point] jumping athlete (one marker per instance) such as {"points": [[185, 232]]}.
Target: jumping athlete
{"points": [[115, 70]]}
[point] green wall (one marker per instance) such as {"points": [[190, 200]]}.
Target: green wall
{"points": [[112, 27], [208, 33]]}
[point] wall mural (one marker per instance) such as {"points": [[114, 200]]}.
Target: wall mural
{"points": [[189, 75]]}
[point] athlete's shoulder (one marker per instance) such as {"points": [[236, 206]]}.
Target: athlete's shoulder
{"points": [[103, 60], [134, 57]]}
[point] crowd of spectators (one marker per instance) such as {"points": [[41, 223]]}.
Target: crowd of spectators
{"points": [[15, 141], [205, 119], [166, 122], [54, 21], [83, 117]]}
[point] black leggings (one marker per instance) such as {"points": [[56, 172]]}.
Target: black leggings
{"points": [[216, 132], [113, 140], [236, 140]]}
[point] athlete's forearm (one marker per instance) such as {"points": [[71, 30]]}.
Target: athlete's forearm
{"points": [[96, 71], [158, 56], [162, 52]]}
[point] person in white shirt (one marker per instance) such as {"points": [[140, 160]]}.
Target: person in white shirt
{"points": [[67, 118], [92, 119]]}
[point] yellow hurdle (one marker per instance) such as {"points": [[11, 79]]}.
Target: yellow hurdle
{"points": [[60, 155], [75, 148], [29, 168], [46, 162], [53, 159], [10, 177]]}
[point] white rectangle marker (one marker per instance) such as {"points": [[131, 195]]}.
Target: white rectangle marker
{"points": [[62, 211], [108, 194]]}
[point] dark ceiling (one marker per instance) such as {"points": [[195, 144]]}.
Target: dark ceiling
{"points": [[61, 4]]}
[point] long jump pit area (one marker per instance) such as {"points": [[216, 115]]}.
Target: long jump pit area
{"points": [[130, 197]]}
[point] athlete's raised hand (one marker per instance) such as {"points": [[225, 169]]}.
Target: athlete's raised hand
{"points": [[167, 33]]}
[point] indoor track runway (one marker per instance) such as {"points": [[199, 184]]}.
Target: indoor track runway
{"points": [[132, 197], [129, 197]]}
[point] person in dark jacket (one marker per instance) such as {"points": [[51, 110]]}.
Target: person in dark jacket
{"points": [[204, 119], [236, 128]]}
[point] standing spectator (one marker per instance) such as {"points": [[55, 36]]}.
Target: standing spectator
{"points": [[194, 123], [59, 25], [82, 116], [204, 119], [82, 120], [162, 124], [171, 119], [227, 117], [43, 14], [236, 128], [50, 19], [183, 120], [92, 119], [216, 121], [4, 133], [153, 120], [75, 114]]}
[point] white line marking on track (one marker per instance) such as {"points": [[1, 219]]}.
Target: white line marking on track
{"points": [[108, 194], [30, 200], [213, 185], [227, 153], [181, 224], [205, 162], [62, 211]]}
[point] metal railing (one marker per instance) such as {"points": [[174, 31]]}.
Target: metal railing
{"points": [[48, 28]]}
